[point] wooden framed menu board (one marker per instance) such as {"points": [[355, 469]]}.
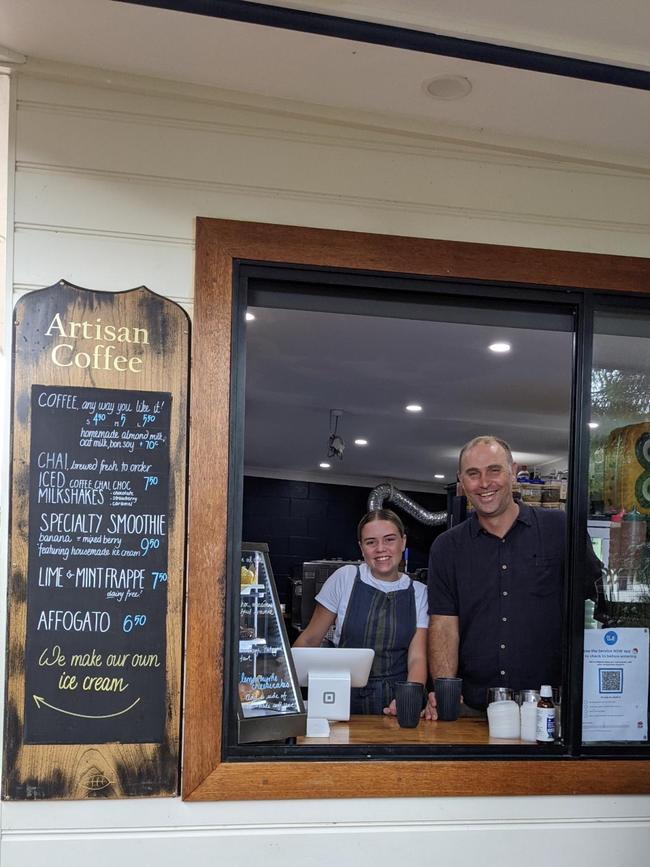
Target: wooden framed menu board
{"points": [[97, 540]]}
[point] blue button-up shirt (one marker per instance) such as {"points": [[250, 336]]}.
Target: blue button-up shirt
{"points": [[509, 597]]}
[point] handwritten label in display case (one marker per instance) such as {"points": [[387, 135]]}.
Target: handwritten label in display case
{"points": [[97, 566]]}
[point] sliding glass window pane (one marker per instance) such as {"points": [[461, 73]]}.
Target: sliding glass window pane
{"points": [[615, 700], [327, 424]]}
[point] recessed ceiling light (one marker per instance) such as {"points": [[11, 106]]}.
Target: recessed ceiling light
{"points": [[413, 407], [499, 347], [361, 442], [448, 86], [250, 317], [324, 465], [438, 476], [593, 424]]}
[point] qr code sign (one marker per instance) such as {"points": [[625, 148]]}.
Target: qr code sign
{"points": [[611, 680]]}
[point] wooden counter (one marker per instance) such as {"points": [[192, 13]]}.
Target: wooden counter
{"points": [[386, 730]]}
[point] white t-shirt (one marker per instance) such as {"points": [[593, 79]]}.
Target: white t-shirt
{"points": [[336, 591]]}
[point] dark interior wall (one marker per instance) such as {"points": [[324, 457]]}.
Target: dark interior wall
{"points": [[312, 521]]}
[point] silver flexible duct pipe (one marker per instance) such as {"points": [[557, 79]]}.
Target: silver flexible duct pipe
{"points": [[386, 491]]}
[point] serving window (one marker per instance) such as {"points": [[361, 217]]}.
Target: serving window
{"points": [[323, 367], [428, 295]]}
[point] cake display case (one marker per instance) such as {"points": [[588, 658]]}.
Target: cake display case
{"points": [[270, 706]]}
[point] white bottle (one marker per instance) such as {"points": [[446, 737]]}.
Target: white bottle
{"points": [[503, 719], [528, 712], [545, 716]]}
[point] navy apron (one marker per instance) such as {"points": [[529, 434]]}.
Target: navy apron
{"points": [[386, 623]]}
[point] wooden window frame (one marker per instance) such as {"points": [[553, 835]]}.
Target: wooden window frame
{"points": [[220, 245]]}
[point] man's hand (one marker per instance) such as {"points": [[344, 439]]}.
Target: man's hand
{"points": [[391, 710], [431, 709]]}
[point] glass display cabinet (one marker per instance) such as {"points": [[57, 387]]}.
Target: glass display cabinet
{"points": [[270, 703]]}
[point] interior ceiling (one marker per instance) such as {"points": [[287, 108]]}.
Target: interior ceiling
{"points": [[521, 107], [300, 364]]}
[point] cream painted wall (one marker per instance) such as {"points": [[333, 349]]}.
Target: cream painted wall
{"points": [[109, 176]]}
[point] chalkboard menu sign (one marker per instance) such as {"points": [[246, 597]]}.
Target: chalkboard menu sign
{"points": [[97, 544], [97, 568]]}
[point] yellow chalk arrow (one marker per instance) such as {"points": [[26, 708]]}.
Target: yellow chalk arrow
{"points": [[39, 700]]}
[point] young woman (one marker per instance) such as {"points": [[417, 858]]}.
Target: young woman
{"points": [[375, 605]]}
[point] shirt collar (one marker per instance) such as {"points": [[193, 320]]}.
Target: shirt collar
{"points": [[525, 517]]}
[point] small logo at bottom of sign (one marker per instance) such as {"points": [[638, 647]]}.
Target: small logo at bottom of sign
{"points": [[96, 781]]}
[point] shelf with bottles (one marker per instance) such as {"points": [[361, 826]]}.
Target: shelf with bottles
{"points": [[270, 702], [548, 495], [545, 491]]}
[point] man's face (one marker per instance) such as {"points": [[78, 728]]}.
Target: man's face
{"points": [[487, 479]]}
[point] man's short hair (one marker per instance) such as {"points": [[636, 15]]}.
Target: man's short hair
{"points": [[485, 440]]}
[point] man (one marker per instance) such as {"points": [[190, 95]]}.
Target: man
{"points": [[496, 584]]}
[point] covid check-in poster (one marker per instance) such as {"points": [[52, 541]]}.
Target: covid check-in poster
{"points": [[615, 690]]}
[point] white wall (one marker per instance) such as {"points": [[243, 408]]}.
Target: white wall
{"points": [[109, 176]]}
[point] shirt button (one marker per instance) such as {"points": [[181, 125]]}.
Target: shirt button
{"points": [[505, 619], [503, 647], [505, 593], [502, 671], [504, 566]]}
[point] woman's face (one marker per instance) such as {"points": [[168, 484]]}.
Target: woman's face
{"points": [[382, 548]]}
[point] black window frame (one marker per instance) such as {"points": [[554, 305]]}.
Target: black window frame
{"points": [[258, 283]]}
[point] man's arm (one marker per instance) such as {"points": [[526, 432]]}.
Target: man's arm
{"points": [[444, 638], [443, 643], [593, 573]]}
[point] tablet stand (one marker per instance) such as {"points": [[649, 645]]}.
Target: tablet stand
{"points": [[328, 698]]}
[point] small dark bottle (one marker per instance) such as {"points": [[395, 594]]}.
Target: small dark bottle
{"points": [[545, 716]]}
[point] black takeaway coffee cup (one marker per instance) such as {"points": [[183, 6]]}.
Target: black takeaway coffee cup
{"points": [[447, 690], [408, 701]]}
